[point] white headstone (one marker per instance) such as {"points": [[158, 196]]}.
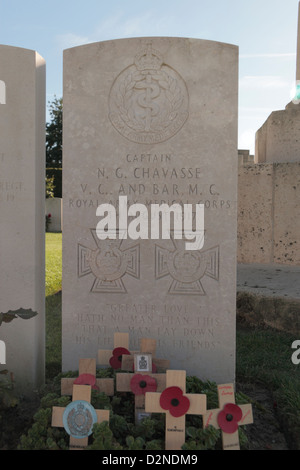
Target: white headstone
{"points": [[155, 120], [2, 92], [22, 214]]}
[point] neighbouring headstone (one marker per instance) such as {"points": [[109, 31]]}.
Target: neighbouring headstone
{"points": [[153, 120], [22, 214], [54, 213]]}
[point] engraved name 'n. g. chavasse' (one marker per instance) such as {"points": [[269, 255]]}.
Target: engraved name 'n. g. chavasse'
{"points": [[158, 185]]}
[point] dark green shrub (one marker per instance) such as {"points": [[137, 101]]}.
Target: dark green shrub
{"points": [[121, 433]]}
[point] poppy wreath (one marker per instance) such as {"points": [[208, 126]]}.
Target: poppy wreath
{"points": [[86, 379], [140, 384], [229, 417], [116, 359], [173, 400]]}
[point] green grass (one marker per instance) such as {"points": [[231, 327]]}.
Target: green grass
{"points": [[263, 355], [53, 302]]}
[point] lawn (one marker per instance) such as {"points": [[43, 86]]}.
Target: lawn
{"points": [[263, 355], [53, 262], [53, 302]]}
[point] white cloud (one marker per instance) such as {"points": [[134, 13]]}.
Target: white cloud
{"points": [[108, 28], [287, 55], [247, 140], [65, 41], [137, 25], [262, 82], [254, 112], [118, 26]]}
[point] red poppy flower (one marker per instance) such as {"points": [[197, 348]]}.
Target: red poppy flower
{"points": [[172, 399], [116, 359], [229, 417], [140, 384], [87, 379]]}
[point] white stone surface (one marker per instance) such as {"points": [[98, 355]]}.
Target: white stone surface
{"points": [[269, 213], [22, 213], [277, 141], [160, 133], [54, 208]]}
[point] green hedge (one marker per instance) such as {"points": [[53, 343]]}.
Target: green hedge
{"points": [[121, 433], [57, 173]]}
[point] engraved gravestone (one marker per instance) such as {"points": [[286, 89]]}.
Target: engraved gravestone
{"points": [[151, 123], [22, 215]]}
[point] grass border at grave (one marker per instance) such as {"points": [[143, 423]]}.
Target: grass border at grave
{"points": [[53, 282], [264, 357], [263, 354], [53, 260], [53, 335]]}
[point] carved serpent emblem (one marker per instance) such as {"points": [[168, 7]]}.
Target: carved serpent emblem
{"points": [[146, 100], [149, 100]]}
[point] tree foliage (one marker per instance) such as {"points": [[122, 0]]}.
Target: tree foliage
{"points": [[54, 134], [50, 187]]}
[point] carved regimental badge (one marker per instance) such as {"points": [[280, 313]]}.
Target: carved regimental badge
{"points": [[79, 418], [148, 101], [143, 363]]}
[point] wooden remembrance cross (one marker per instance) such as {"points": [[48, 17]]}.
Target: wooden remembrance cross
{"points": [[79, 416], [228, 417], [87, 376], [113, 357], [176, 404], [140, 382]]}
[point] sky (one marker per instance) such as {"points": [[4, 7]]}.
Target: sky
{"points": [[264, 30]]}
